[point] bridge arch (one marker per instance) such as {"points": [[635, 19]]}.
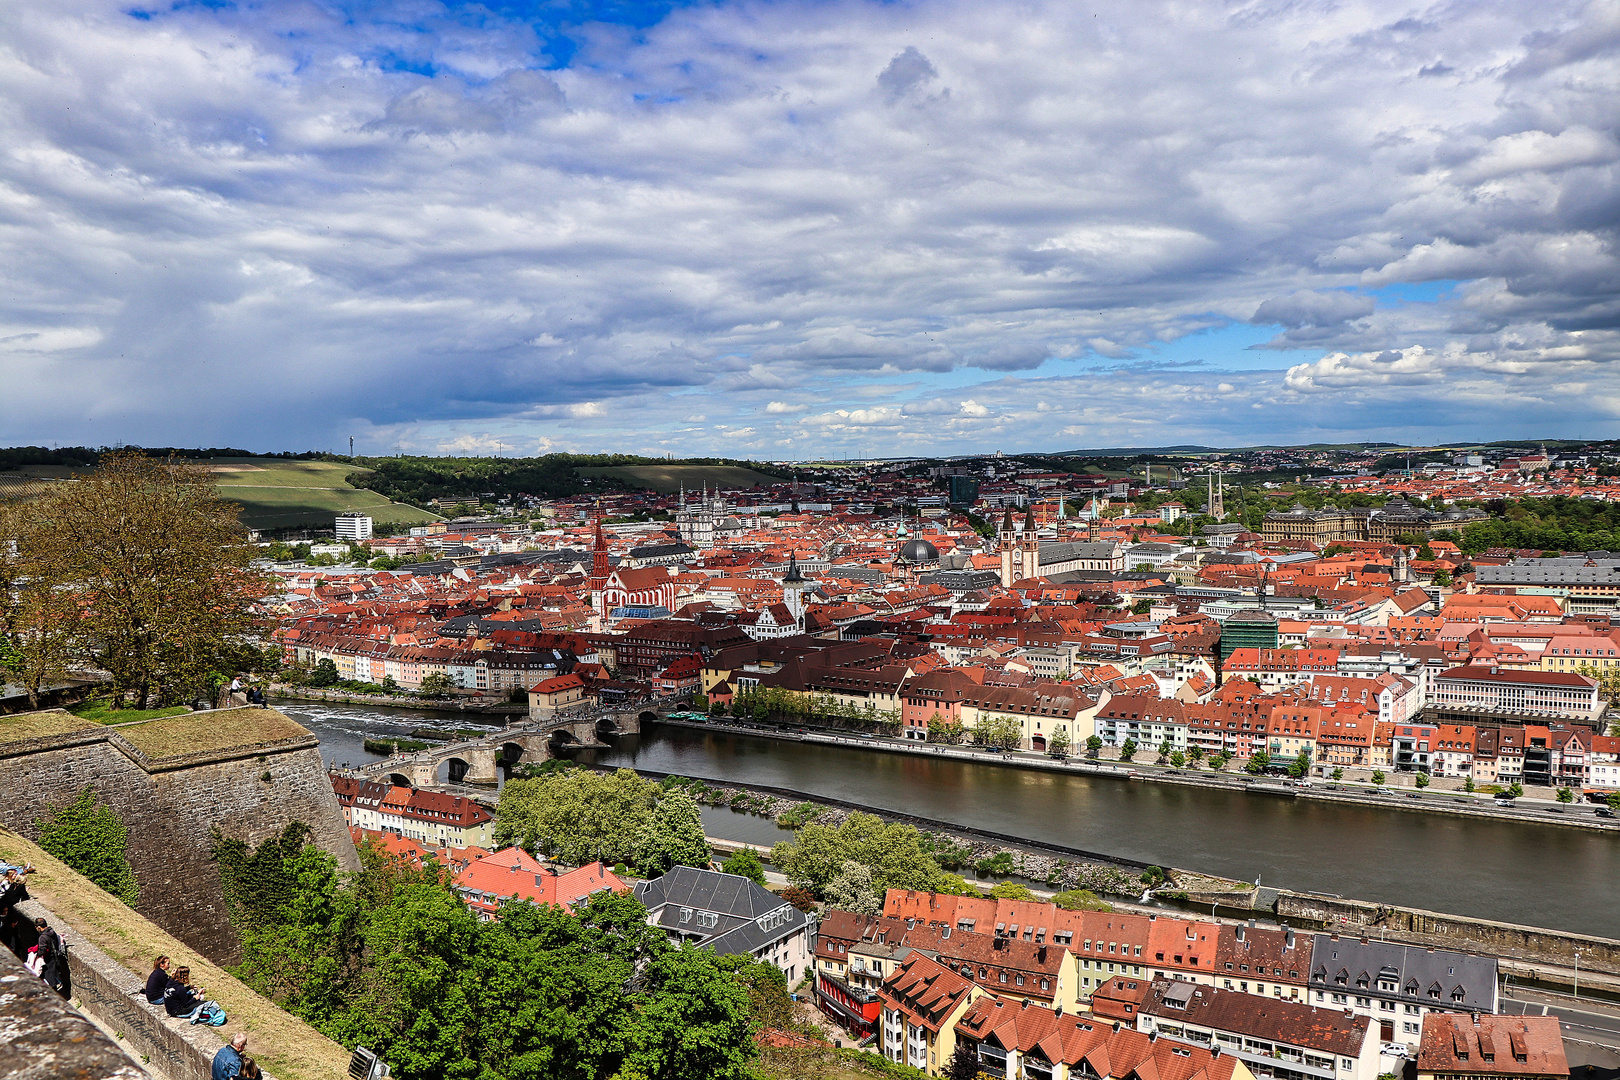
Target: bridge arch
{"points": [[511, 753], [400, 780], [456, 769], [647, 717]]}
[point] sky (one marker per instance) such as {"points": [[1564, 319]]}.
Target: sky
{"points": [[807, 229]]}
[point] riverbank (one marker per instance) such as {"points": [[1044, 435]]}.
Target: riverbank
{"points": [[1574, 816], [384, 701], [1041, 863], [1528, 954]]}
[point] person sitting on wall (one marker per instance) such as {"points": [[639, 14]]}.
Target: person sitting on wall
{"points": [[231, 1061], [158, 981], [180, 999]]}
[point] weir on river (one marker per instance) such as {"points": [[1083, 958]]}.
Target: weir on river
{"points": [[1506, 870]]}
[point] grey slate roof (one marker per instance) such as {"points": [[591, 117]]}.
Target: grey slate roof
{"points": [[1407, 966], [737, 904]]}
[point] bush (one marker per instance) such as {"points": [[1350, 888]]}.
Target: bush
{"points": [[1422, 779], [1080, 900], [1378, 776], [92, 840], [745, 863], [1000, 864], [801, 898]]}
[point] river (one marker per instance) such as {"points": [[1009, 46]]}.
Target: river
{"points": [[1516, 872]]}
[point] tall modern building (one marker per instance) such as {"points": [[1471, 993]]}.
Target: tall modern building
{"points": [[353, 527]]}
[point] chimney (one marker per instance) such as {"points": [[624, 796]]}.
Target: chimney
{"points": [[1288, 939], [1214, 1050], [1040, 955], [1240, 933], [1153, 1036], [1475, 1015], [1116, 1027]]}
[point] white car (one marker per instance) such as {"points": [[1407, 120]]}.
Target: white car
{"points": [[1393, 1050]]}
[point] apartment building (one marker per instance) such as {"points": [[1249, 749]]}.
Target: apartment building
{"points": [[729, 914], [921, 1003], [1013, 1039], [430, 818], [1475, 1046], [1398, 985], [1277, 1039]]}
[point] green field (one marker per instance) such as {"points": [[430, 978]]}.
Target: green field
{"points": [[281, 493], [670, 478]]}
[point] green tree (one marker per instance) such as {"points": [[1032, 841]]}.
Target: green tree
{"points": [[1177, 759], [1094, 745], [1080, 900], [1164, 751], [91, 839], [673, 836], [325, 673], [1195, 754], [744, 862], [1564, 795], [436, 684], [1516, 790], [577, 815], [854, 889], [1059, 743], [1127, 750], [1338, 774], [893, 853], [1422, 780], [38, 606], [1300, 766], [1468, 784], [1378, 776], [1000, 732], [693, 1020], [1613, 802], [1259, 761], [161, 569]]}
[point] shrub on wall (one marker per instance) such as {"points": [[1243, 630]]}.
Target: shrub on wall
{"points": [[257, 882], [92, 840]]}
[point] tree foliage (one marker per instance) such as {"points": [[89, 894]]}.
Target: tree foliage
{"points": [[744, 862], [892, 853], [156, 568], [1081, 900], [91, 839], [576, 816], [391, 959]]}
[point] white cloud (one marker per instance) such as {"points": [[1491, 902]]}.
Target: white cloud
{"points": [[259, 224]]}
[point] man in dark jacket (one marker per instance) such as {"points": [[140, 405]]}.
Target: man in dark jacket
{"points": [[158, 981], [53, 959]]}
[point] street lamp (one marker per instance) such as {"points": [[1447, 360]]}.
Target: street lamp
{"points": [[1577, 973]]}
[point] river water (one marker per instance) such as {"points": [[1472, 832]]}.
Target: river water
{"points": [[1545, 876]]}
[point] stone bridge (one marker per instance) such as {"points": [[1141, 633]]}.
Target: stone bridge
{"points": [[478, 761]]}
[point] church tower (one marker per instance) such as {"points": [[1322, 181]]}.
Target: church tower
{"points": [[794, 586], [1007, 546], [1029, 546], [600, 569]]}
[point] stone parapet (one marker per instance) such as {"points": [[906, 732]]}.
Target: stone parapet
{"points": [[42, 1037]]}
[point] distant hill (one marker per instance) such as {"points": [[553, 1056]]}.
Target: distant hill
{"points": [[277, 493], [666, 479]]}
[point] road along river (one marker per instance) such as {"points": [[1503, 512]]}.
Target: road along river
{"points": [[1512, 871]]}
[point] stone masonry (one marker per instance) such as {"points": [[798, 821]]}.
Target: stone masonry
{"points": [[250, 772]]}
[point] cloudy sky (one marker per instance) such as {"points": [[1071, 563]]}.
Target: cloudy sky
{"points": [[803, 229]]}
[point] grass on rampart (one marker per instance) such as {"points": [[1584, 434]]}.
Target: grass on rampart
{"points": [[287, 1047], [102, 712], [202, 732], [20, 727]]}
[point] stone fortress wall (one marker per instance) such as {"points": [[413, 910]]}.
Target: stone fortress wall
{"points": [[249, 772]]}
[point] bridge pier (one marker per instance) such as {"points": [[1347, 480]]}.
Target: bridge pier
{"points": [[422, 773], [482, 768]]}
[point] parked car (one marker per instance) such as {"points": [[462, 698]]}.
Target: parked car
{"points": [[1413, 795], [1603, 811]]}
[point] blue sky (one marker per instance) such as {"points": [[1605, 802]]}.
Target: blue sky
{"points": [[807, 229]]}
